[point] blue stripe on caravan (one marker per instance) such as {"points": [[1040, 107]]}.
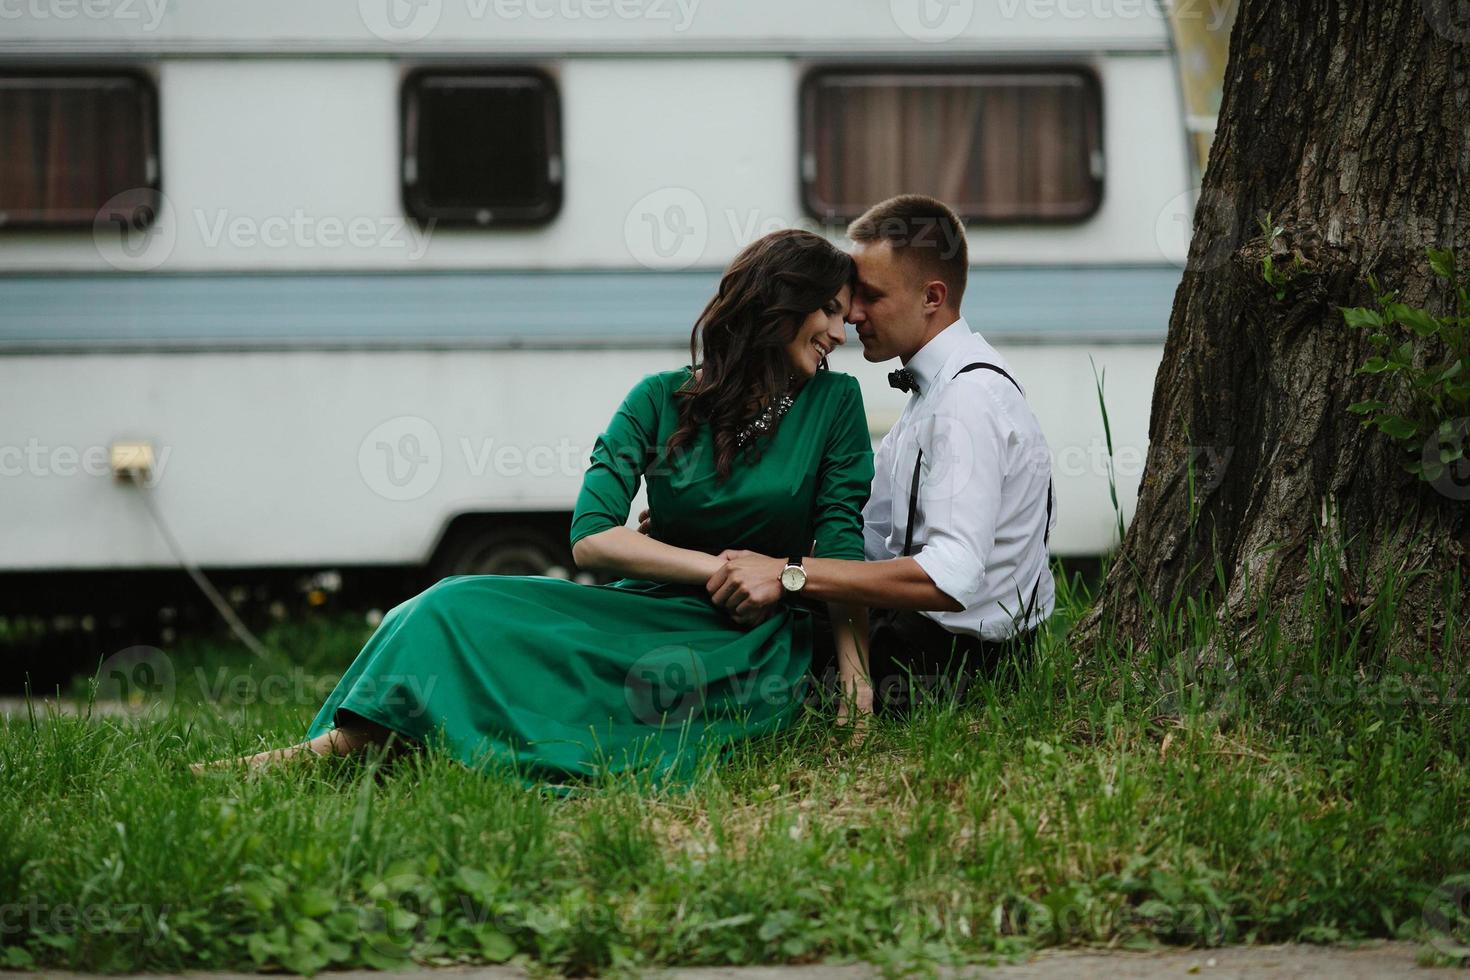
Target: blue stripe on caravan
{"points": [[510, 309]]}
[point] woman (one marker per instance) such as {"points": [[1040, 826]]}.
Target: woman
{"points": [[760, 448]]}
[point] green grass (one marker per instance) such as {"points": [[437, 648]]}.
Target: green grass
{"points": [[1117, 797]]}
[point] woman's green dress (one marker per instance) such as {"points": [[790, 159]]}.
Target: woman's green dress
{"points": [[552, 679]]}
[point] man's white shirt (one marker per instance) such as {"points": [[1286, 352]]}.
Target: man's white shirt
{"points": [[983, 488]]}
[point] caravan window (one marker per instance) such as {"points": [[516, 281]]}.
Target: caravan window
{"points": [[71, 144], [481, 148], [996, 145]]}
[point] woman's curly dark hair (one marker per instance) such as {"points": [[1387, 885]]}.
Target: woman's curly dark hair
{"points": [[764, 296]]}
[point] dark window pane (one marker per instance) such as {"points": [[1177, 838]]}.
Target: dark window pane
{"points": [[70, 143], [481, 148], [995, 146]]}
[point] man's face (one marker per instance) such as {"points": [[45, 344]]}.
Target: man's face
{"points": [[888, 304]]}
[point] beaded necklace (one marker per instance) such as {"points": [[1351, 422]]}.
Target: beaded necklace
{"points": [[766, 420]]}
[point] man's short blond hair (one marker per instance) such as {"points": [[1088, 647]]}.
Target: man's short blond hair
{"points": [[921, 230]]}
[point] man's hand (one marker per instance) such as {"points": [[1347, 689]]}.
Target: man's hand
{"points": [[748, 583]]}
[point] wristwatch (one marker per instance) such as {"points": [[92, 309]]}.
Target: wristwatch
{"points": [[793, 576]]}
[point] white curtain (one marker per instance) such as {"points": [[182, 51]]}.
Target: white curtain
{"points": [[995, 147], [67, 146]]}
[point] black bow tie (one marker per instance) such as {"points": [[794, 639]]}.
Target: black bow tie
{"points": [[903, 380]]}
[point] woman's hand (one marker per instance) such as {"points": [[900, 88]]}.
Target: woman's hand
{"points": [[753, 618], [855, 709], [747, 582], [850, 637]]}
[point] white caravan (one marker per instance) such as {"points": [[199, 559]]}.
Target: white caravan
{"points": [[358, 284]]}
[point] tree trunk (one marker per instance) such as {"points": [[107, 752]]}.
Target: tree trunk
{"points": [[1348, 121]]}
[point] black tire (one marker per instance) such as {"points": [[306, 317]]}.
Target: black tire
{"points": [[484, 549]]}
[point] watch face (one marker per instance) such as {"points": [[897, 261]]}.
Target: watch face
{"points": [[793, 577]]}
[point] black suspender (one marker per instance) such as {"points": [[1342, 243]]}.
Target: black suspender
{"points": [[989, 367], [1046, 528], [908, 534]]}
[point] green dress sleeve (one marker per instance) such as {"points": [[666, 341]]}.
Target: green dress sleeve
{"points": [[617, 462], [844, 479]]}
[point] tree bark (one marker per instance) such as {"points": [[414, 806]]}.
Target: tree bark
{"points": [[1348, 121]]}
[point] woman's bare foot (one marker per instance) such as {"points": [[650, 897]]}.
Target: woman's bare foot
{"points": [[339, 741], [248, 763]]}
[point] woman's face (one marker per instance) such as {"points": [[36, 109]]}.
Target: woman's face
{"points": [[822, 332]]}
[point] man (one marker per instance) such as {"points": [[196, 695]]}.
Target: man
{"points": [[961, 507]]}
